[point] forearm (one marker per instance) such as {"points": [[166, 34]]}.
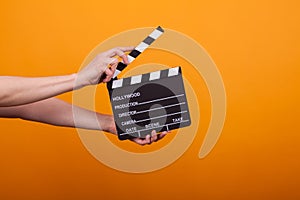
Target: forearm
{"points": [[56, 112], [16, 91], [59, 113], [19, 90]]}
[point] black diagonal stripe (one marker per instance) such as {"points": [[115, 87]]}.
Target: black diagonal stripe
{"points": [[121, 66], [134, 53], [148, 40], [160, 29], [179, 70]]}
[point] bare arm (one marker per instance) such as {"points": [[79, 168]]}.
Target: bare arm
{"points": [[59, 113], [16, 91], [21, 90], [32, 98]]}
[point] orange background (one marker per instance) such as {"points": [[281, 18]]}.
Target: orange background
{"points": [[256, 46]]}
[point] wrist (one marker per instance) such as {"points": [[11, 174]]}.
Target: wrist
{"points": [[78, 81], [107, 123]]}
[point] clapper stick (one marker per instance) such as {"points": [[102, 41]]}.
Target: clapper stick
{"points": [[135, 53]]}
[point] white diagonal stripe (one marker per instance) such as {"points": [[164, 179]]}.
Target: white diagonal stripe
{"points": [[130, 58], [117, 72], [142, 46], [155, 34]]}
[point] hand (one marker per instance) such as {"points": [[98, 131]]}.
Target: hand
{"points": [[103, 65], [108, 124], [154, 137], [150, 139]]}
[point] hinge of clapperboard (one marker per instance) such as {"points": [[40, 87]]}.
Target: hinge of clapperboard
{"points": [[134, 54]]}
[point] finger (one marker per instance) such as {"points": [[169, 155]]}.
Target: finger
{"points": [[109, 72], [139, 141], [114, 67], [119, 51], [148, 139], [162, 135], [113, 61], [153, 136], [122, 55], [125, 59], [126, 49]]}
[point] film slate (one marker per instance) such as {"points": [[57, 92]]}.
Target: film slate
{"points": [[152, 101]]}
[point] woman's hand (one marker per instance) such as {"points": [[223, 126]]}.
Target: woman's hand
{"points": [[108, 124], [102, 67], [154, 137]]}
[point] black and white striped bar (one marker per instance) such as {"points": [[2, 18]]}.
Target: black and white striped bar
{"points": [[146, 102], [152, 76], [139, 49]]}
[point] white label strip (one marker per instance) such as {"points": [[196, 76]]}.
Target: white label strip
{"points": [[173, 71], [154, 75], [117, 83], [136, 79]]}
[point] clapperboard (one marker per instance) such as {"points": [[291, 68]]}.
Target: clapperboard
{"points": [[146, 102]]}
